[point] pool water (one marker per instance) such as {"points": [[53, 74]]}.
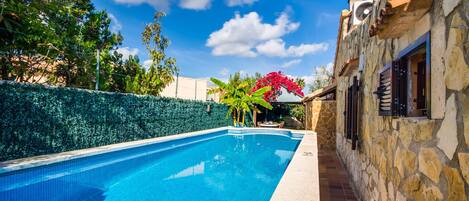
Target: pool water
{"points": [[217, 166]]}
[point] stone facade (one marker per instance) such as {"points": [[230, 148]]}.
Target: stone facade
{"points": [[320, 118], [410, 158]]}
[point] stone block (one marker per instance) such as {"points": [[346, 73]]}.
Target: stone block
{"points": [[455, 184], [425, 131], [447, 135], [429, 164], [432, 193], [395, 177], [464, 165], [405, 161], [457, 70], [406, 133], [382, 188], [449, 5], [391, 192], [412, 186], [400, 197]]}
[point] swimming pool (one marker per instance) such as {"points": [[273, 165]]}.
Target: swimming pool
{"points": [[230, 164]]}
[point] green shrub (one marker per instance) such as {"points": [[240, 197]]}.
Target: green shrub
{"points": [[37, 119]]}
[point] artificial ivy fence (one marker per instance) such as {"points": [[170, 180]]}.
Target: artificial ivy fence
{"points": [[37, 119]]}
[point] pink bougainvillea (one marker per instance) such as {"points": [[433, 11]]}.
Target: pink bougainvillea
{"points": [[277, 80]]}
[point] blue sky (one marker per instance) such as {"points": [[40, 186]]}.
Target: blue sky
{"points": [[214, 38]]}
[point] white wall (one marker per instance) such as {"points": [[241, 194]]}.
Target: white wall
{"points": [[187, 88]]}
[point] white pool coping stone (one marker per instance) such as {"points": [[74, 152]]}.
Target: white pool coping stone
{"points": [[299, 182]]}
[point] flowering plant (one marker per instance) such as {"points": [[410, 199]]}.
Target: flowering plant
{"points": [[276, 80]]}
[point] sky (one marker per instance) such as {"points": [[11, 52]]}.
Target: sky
{"points": [[216, 38]]}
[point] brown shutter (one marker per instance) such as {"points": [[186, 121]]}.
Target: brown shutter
{"points": [[392, 89], [349, 112], [384, 91], [355, 113], [399, 86], [345, 113]]}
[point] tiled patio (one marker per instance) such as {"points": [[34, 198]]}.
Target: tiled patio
{"points": [[333, 180]]}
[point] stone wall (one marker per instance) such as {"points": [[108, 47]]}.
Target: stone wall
{"points": [[412, 158], [320, 118]]}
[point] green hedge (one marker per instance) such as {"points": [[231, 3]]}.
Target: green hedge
{"points": [[37, 119]]}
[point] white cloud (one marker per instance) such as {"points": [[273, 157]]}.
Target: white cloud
{"points": [[224, 71], [276, 48], [238, 49], [232, 3], [147, 63], [273, 48], [157, 4], [240, 35], [291, 63], [116, 25], [126, 52], [195, 4], [301, 50]]}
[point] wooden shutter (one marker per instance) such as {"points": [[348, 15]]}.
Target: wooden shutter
{"points": [[399, 86], [384, 91], [392, 89], [349, 112], [345, 113], [355, 113]]}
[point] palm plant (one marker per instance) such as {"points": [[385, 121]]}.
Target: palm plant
{"points": [[235, 80], [240, 100]]}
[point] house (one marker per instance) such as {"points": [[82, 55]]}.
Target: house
{"points": [[402, 97], [187, 88]]}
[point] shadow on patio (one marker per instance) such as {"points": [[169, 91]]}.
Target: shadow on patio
{"points": [[333, 179]]}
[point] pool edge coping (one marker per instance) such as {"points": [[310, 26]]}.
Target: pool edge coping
{"points": [[300, 180], [47, 159]]}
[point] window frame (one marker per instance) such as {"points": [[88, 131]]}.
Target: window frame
{"points": [[423, 41], [399, 88]]}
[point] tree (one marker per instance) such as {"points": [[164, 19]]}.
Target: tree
{"points": [[83, 35], [117, 71], [297, 111], [276, 80], [162, 69], [235, 80], [53, 40], [25, 42], [322, 78], [240, 100], [301, 82]]}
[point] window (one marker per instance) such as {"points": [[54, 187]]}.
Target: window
{"points": [[352, 112], [404, 84]]}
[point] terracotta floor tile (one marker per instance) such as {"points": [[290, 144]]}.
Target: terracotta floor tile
{"points": [[334, 181]]}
